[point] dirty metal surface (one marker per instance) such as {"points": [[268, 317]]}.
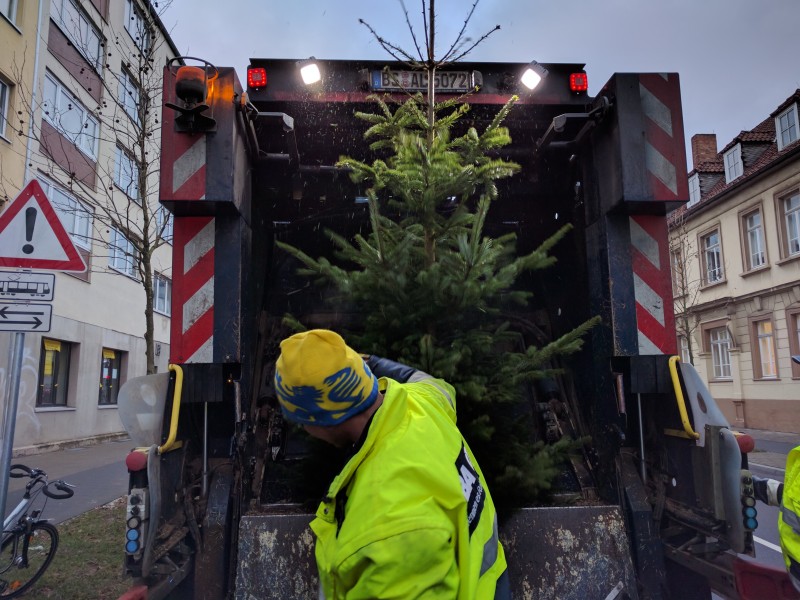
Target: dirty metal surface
{"points": [[276, 557], [572, 553], [567, 553]]}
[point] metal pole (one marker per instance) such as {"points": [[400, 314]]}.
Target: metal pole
{"points": [[641, 438], [10, 417], [205, 449]]}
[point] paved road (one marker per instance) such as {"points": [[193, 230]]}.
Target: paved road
{"points": [[98, 473]]}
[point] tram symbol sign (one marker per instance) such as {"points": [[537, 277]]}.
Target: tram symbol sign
{"points": [[25, 317], [25, 285]]}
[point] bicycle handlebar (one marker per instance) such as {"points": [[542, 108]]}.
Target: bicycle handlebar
{"points": [[26, 471], [61, 486]]}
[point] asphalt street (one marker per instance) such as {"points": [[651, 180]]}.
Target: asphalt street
{"points": [[98, 473]]}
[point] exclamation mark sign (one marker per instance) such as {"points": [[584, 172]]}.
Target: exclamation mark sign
{"points": [[30, 221]]}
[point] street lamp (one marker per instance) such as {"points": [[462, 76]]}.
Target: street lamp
{"points": [[533, 75]]}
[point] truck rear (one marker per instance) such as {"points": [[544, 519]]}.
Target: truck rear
{"points": [[662, 503]]}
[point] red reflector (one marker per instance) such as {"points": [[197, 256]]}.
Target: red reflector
{"points": [[257, 78], [136, 461], [578, 82], [756, 580]]}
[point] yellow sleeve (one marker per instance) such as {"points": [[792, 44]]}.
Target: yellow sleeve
{"points": [[418, 564]]}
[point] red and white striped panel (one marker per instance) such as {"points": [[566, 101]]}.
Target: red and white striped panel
{"points": [[184, 178], [192, 325], [652, 284], [665, 150]]}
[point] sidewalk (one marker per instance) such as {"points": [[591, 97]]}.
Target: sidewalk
{"points": [[98, 473]]}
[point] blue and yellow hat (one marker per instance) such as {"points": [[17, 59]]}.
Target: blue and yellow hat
{"points": [[320, 380]]}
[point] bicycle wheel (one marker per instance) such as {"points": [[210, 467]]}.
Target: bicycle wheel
{"points": [[24, 559]]}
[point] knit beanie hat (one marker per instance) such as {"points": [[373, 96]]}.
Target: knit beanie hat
{"points": [[320, 380]]}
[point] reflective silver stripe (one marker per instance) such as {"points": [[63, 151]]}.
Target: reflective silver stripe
{"points": [[490, 549], [791, 519], [441, 389]]}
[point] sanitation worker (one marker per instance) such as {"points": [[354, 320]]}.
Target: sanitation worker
{"points": [[409, 516]]}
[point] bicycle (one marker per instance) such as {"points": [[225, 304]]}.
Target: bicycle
{"points": [[29, 542]]}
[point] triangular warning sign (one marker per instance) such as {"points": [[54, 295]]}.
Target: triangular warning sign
{"points": [[32, 237]]}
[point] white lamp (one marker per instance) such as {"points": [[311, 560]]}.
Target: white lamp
{"points": [[309, 71], [533, 75]]}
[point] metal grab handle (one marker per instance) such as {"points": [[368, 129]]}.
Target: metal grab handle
{"points": [[176, 405], [676, 383]]}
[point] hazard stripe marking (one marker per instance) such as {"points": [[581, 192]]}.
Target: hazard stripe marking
{"points": [[648, 299], [189, 163], [661, 168], [657, 111], [198, 246], [645, 243], [204, 354], [196, 306]]}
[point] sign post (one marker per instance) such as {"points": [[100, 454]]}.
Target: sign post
{"points": [[31, 237]]}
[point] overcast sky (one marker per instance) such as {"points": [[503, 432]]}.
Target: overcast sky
{"points": [[737, 59]]}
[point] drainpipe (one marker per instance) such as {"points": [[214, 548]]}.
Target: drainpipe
{"points": [[28, 148]]}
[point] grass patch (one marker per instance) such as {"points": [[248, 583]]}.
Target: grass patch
{"points": [[89, 561]]}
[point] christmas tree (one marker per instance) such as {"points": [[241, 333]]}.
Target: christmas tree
{"points": [[433, 290]]}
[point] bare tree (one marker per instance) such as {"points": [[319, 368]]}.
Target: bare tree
{"points": [[424, 57], [686, 285], [108, 154]]}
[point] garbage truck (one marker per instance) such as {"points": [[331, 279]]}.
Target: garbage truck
{"points": [[662, 502]]}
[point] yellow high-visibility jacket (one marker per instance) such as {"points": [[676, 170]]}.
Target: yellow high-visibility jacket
{"points": [[410, 515], [789, 517]]}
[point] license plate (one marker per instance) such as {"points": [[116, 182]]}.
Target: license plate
{"points": [[446, 82]]}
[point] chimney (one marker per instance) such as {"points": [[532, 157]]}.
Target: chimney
{"points": [[704, 148]]}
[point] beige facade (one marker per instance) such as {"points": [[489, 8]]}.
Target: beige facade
{"points": [[93, 101], [736, 271], [18, 26]]}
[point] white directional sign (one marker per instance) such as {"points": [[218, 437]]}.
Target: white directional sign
{"points": [[32, 237], [25, 317], [25, 285]]}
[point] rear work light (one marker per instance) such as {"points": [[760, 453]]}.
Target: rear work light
{"points": [[256, 77], [578, 82]]}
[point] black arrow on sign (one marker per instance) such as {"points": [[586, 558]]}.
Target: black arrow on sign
{"points": [[4, 311], [36, 320]]}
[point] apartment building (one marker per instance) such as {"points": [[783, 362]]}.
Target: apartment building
{"points": [[736, 270], [89, 94]]}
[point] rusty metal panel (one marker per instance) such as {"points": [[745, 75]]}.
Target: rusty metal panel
{"points": [[276, 557], [567, 553], [572, 553]]}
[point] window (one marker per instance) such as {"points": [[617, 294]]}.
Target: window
{"points": [[678, 273], [694, 189], [686, 355], [793, 323], [129, 94], [5, 92], [164, 223], [79, 29], [136, 24], [790, 225], [712, 257], [720, 343], [75, 218], [786, 127], [110, 368], [69, 116], [9, 9], [162, 294], [53, 373], [122, 255], [754, 247], [763, 350], [126, 174], [733, 163]]}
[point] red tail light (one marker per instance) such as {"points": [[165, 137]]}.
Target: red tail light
{"points": [[578, 82], [256, 77]]}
